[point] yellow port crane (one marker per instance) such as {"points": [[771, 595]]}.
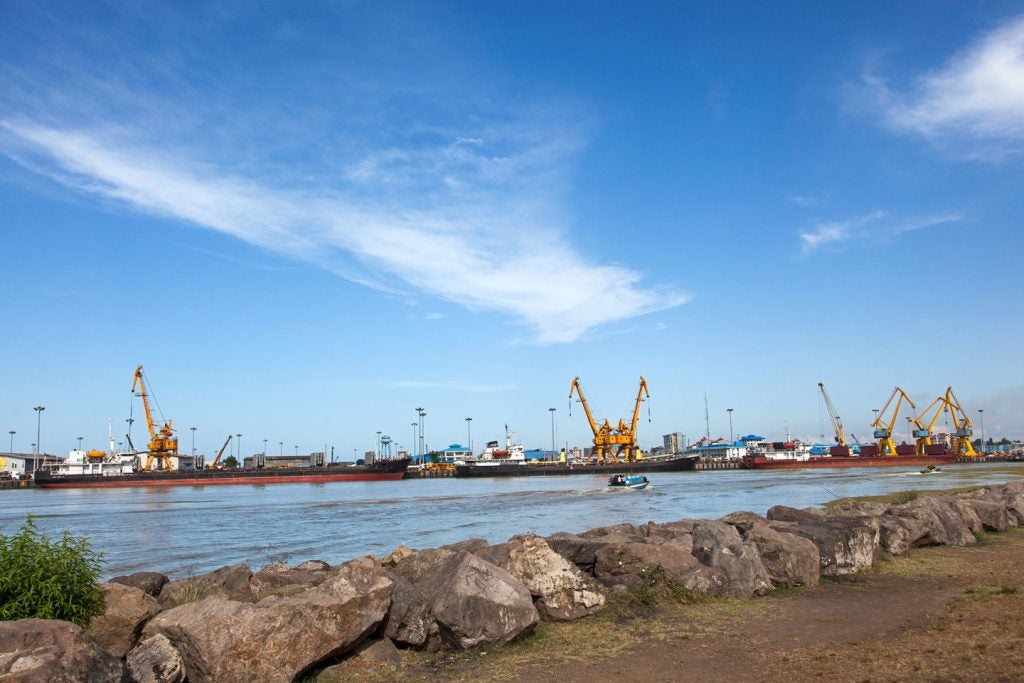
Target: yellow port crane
{"points": [[964, 428], [216, 461], [883, 430], [923, 434], [841, 448], [602, 434], [162, 442], [623, 436]]}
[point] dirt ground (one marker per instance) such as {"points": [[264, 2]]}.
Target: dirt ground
{"points": [[940, 614]]}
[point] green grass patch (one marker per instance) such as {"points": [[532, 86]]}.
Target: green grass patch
{"points": [[45, 579]]}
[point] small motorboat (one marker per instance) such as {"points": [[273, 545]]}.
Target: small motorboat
{"points": [[636, 482], [931, 469]]}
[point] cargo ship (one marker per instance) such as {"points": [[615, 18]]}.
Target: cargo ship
{"points": [[842, 457], [382, 470], [684, 463]]}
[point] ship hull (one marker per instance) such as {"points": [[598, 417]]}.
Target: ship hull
{"points": [[386, 471], [762, 463], [562, 469]]}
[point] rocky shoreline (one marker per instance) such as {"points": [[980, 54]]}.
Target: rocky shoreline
{"points": [[286, 623]]}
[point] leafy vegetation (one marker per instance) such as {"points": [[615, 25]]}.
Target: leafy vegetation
{"points": [[229, 463], [44, 579]]}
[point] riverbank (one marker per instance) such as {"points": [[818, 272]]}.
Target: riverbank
{"points": [[938, 613]]}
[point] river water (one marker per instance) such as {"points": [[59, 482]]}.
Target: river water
{"points": [[182, 531]]}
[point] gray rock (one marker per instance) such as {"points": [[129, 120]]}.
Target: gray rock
{"points": [[627, 565], [719, 545], [33, 650], [790, 560], [561, 592], [679, 534], [150, 583], [934, 520], [781, 513], [126, 610], [845, 544], [397, 555], [155, 660], [744, 521], [312, 566], [409, 622], [230, 583], [469, 545], [275, 580], [991, 514], [473, 601], [277, 639]]}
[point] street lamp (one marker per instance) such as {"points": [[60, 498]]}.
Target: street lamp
{"points": [[296, 450], [729, 410], [414, 442], [80, 442], [280, 448], [552, 411], [981, 418], [193, 440], [376, 453], [264, 448], [39, 422], [422, 414], [239, 448], [12, 433], [469, 434]]}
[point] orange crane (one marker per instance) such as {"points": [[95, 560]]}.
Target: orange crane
{"points": [[625, 436], [922, 433], [602, 450], [883, 431], [964, 428], [841, 448], [216, 461], [162, 442]]}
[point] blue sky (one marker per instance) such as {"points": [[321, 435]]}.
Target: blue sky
{"points": [[307, 222]]}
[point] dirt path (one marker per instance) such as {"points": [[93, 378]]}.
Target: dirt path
{"points": [[941, 614]]}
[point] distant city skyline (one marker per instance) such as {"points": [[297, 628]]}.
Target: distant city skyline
{"points": [[306, 222]]}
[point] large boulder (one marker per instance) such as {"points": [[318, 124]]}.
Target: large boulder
{"points": [[409, 623], [629, 564], [277, 639], [582, 550], [473, 601], [155, 660], [678, 533], [150, 583], [125, 611], [990, 510], [283, 580], [845, 544], [397, 555], [790, 560], [934, 520], [561, 592], [229, 583], [33, 650], [719, 545]]}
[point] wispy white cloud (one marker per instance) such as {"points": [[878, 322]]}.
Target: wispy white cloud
{"points": [[488, 244], [978, 93], [807, 201], [871, 228], [453, 385]]}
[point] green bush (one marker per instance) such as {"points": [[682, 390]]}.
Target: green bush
{"points": [[48, 580]]}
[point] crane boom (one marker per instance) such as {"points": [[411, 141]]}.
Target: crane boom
{"points": [[577, 389], [962, 422], [922, 433], [837, 423], [603, 436], [162, 442], [883, 431], [216, 461]]}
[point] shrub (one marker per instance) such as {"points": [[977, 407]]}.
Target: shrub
{"points": [[48, 580]]}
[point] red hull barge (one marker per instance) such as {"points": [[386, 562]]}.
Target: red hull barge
{"points": [[387, 470], [759, 462]]}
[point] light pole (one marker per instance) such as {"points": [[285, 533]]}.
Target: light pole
{"points": [[552, 411], [469, 434], [296, 450], [193, 440], [80, 442], [39, 423], [280, 448], [264, 448], [414, 442], [981, 418], [729, 410], [355, 453], [129, 434], [422, 413], [239, 448], [12, 433], [376, 453]]}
